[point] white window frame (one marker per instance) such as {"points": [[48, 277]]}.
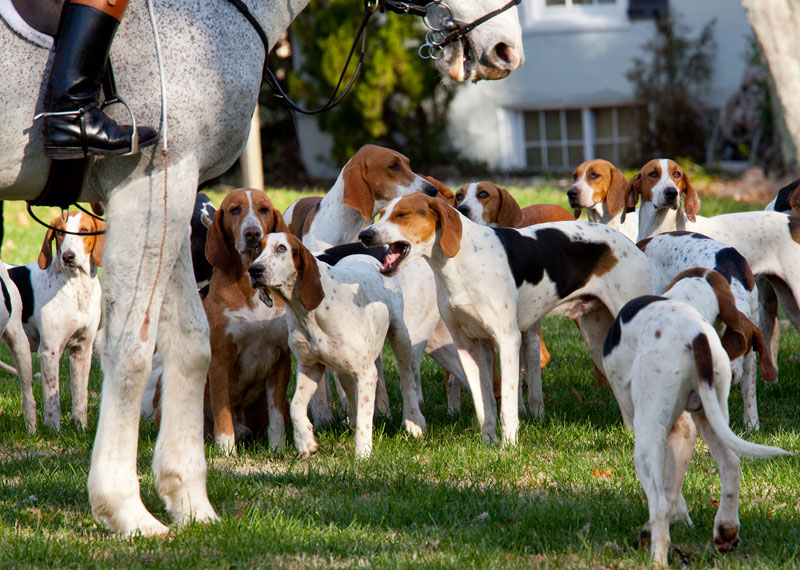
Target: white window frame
{"points": [[536, 16]]}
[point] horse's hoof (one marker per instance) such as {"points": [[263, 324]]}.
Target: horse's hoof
{"points": [[727, 537], [643, 542]]}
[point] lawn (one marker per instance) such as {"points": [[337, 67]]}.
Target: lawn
{"points": [[566, 496]]}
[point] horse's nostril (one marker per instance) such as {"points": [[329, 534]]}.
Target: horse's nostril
{"points": [[501, 50]]}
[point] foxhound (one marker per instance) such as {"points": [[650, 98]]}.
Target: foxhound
{"points": [[787, 200], [599, 187], [61, 308], [202, 215], [338, 317], [13, 335], [494, 282], [487, 204], [673, 252], [670, 374], [770, 241], [250, 361]]}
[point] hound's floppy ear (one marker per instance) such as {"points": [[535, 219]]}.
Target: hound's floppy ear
{"points": [[756, 341], [99, 243], [615, 197], [218, 253], [357, 193], [509, 214], [450, 222], [278, 225], [311, 292], [632, 192], [46, 255], [691, 203], [735, 340]]}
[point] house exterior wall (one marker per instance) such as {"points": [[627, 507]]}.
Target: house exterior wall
{"points": [[582, 64]]}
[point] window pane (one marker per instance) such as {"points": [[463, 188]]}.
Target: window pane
{"points": [[575, 155], [555, 2], [629, 154], [604, 151], [582, 1], [603, 126], [532, 126], [628, 121], [552, 121], [606, 1], [574, 125], [533, 157], [554, 157]]}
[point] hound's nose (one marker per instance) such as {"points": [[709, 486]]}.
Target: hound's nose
{"points": [[366, 236], [464, 210], [670, 194], [572, 193], [252, 234], [68, 258], [431, 190], [256, 270]]}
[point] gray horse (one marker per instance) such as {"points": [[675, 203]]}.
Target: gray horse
{"points": [[212, 66]]}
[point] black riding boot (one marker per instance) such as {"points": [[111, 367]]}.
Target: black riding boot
{"points": [[81, 54]]}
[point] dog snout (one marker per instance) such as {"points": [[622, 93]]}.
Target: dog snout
{"points": [[572, 196], [464, 210], [431, 190], [68, 258], [671, 195], [367, 236], [256, 270], [252, 235]]}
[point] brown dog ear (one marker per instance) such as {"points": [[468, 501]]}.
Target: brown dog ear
{"points": [[311, 292], [99, 243], [278, 225], [735, 341], [632, 191], [218, 253], [691, 203], [756, 341], [615, 198], [46, 254], [450, 222], [357, 193], [509, 214]]}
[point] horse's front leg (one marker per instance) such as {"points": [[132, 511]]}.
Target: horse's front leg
{"points": [[179, 464], [139, 241]]}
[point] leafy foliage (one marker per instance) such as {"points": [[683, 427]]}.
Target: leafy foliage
{"points": [[671, 78], [397, 101]]}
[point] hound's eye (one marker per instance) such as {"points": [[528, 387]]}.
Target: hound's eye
{"points": [[459, 197], [394, 166], [401, 214], [281, 248], [264, 210], [257, 251], [235, 210], [431, 192], [653, 174], [84, 230], [574, 175], [483, 194], [676, 174], [594, 176]]}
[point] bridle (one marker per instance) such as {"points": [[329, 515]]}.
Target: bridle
{"points": [[436, 15]]}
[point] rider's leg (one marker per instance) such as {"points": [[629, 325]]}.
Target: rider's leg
{"points": [[82, 45]]}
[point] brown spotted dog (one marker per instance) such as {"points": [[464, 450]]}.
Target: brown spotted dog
{"points": [[599, 187], [250, 361], [496, 282], [769, 241], [61, 308], [670, 373]]}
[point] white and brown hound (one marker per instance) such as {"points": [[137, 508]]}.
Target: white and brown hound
{"points": [[770, 241], [13, 335], [670, 373], [599, 187], [250, 361], [61, 308], [673, 252], [494, 282], [338, 318], [787, 200]]}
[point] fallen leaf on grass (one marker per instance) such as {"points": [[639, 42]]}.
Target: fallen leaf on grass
{"points": [[597, 474], [574, 391], [714, 502]]}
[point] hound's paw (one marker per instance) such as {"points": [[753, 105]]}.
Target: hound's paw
{"points": [[226, 443], [536, 408], [306, 447], [489, 438], [726, 537], [413, 428]]}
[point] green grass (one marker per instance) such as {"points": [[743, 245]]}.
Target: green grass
{"points": [[566, 496]]}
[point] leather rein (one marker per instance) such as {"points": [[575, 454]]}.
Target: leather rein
{"points": [[437, 16]]}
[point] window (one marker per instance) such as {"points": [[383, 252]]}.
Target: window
{"points": [[559, 140], [573, 15]]}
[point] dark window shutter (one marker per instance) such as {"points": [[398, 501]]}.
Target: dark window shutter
{"points": [[638, 9]]}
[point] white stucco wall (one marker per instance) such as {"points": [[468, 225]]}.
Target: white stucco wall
{"points": [[583, 67]]}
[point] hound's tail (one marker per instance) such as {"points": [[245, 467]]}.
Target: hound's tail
{"points": [[8, 368], [704, 365]]}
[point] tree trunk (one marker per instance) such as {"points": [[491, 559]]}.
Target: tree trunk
{"points": [[775, 23]]}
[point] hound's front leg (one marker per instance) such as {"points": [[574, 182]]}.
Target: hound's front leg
{"points": [[277, 403], [508, 348], [80, 362], [179, 462], [477, 370], [48, 364], [531, 347], [366, 383], [308, 380]]}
